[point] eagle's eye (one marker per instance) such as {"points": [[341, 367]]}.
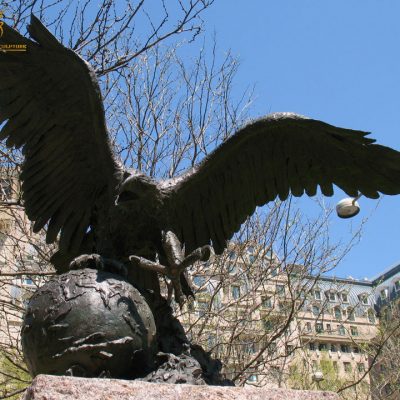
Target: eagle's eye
{"points": [[127, 196]]}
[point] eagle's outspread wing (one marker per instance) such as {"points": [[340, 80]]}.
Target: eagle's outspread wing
{"points": [[272, 157], [52, 106]]}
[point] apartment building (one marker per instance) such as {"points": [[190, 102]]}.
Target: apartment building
{"points": [[295, 330], [385, 374], [337, 326], [17, 254]]}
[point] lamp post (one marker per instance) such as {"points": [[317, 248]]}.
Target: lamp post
{"points": [[348, 207], [318, 377]]}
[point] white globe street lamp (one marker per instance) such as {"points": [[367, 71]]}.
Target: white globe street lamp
{"points": [[318, 376], [348, 207]]}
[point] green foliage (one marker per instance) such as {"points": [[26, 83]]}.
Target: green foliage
{"points": [[14, 377], [301, 376], [331, 380]]}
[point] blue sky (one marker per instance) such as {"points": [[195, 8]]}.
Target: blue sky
{"points": [[335, 61], [338, 61]]}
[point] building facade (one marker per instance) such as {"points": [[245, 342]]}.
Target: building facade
{"points": [[288, 328], [18, 256], [270, 323], [385, 374]]}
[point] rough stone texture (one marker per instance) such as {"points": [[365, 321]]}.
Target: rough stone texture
{"points": [[177, 369], [46, 387]]}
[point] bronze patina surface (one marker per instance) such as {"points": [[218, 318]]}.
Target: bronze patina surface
{"points": [[113, 219]]}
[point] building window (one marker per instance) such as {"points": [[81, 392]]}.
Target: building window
{"points": [[266, 302], [308, 326], [345, 298], [347, 366], [397, 285], [250, 251], [315, 311], [338, 313], [6, 225], [3, 238], [198, 280], [249, 348], [282, 306], [322, 347], [301, 294], [274, 272], [268, 253], [371, 316], [217, 301], [350, 314], [271, 348], [267, 325], [332, 296], [329, 328], [319, 328], [333, 348], [280, 290], [341, 330], [211, 340], [5, 189], [235, 291], [364, 299], [354, 331], [27, 281], [252, 378], [361, 367], [15, 292], [311, 346], [345, 348], [317, 295], [231, 268], [384, 294], [387, 389], [201, 308], [190, 305]]}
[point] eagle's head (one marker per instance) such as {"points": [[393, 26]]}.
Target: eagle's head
{"points": [[138, 191]]}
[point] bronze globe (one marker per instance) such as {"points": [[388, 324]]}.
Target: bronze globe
{"points": [[89, 323]]}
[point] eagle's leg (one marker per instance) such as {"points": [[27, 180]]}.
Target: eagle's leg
{"points": [[176, 260], [172, 272]]}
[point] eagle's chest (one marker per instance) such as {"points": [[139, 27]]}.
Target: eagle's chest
{"points": [[136, 231]]}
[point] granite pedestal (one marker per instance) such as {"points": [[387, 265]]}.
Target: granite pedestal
{"points": [[47, 387]]}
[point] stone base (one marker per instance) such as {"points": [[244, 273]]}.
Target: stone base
{"points": [[47, 387]]}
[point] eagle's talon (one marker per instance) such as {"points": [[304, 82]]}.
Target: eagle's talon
{"points": [[96, 261], [177, 262], [92, 261]]}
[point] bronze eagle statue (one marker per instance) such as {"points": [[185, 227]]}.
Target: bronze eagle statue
{"points": [[51, 107]]}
